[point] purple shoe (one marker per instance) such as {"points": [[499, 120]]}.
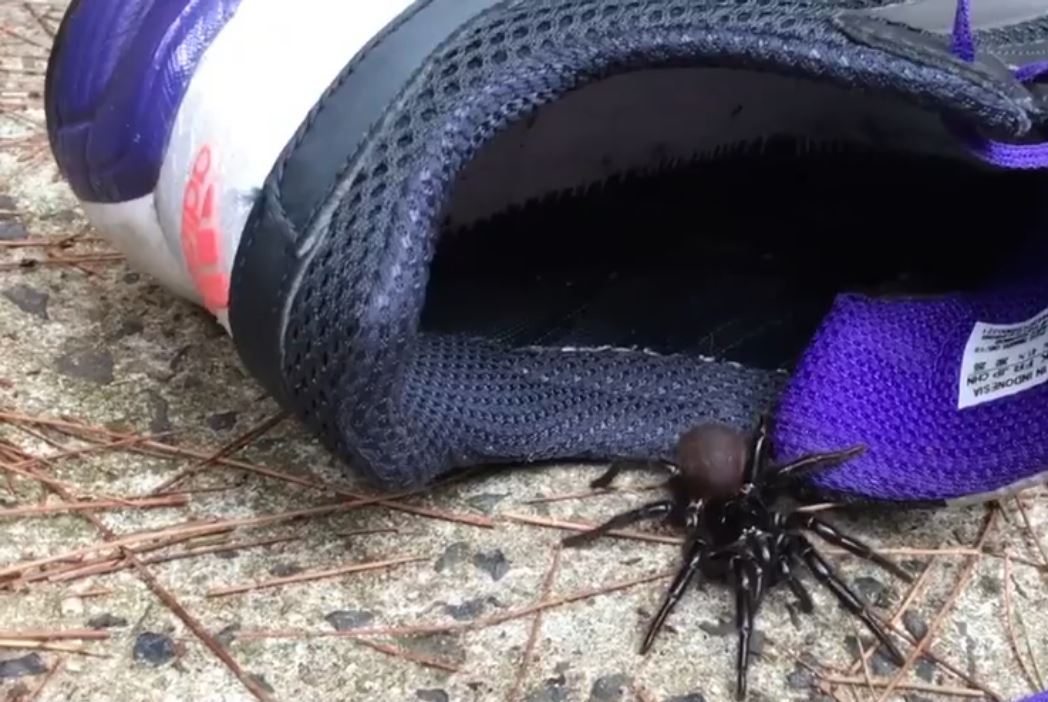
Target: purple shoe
{"points": [[459, 232]]}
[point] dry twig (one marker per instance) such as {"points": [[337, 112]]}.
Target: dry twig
{"points": [[536, 625], [424, 629], [1009, 623], [45, 646], [235, 445], [915, 686], [58, 635], [156, 447], [410, 656], [313, 575], [581, 526], [95, 506], [955, 593], [1029, 530], [55, 669]]}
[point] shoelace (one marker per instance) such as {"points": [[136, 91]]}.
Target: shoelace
{"points": [[1006, 155]]}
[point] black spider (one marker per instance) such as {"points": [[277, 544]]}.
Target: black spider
{"points": [[723, 493]]}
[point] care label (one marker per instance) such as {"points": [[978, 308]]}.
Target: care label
{"points": [[1004, 359]]}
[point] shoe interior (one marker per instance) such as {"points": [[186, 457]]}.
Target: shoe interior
{"points": [[716, 212]]}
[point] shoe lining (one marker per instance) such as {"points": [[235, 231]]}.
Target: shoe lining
{"points": [[711, 212]]}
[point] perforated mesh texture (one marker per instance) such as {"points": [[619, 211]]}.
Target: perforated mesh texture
{"points": [[404, 406]]}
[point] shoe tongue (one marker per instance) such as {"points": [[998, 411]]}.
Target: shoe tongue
{"points": [[950, 395]]}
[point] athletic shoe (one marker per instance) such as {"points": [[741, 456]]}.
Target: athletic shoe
{"points": [[462, 232]]}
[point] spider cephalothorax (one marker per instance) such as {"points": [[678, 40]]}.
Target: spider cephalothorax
{"points": [[724, 487]]}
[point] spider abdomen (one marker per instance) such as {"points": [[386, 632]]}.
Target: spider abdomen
{"points": [[712, 460]]}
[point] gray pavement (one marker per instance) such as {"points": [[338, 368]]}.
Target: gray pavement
{"points": [[88, 341]]}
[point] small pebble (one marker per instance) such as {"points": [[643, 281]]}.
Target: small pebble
{"points": [[129, 327], [721, 628], [66, 216], [494, 563], [990, 585], [800, 679], [609, 688], [757, 640], [925, 670], [871, 589], [486, 502], [106, 621], [914, 624], [222, 421], [87, 364], [11, 230], [345, 619], [851, 643], [453, 555], [29, 300], [160, 421], [30, 664], [178, 361], [228, 633], [553, 690], [690, 697], [154, 648], [446, 646], [470, 609], [285, 570], [881, 665], [432, 696], [913, 565]]}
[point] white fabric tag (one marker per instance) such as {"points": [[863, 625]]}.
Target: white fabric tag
{"points": [[1001, 360]]}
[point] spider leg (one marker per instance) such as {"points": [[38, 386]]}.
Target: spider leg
{"points": [[673, 595], [828, 577], [794, 583], [744, 605], [762, 568], [617, 467], [784, 556], [849, 543], [758, 451], [807, 465], [652, 510], [609, 476]]}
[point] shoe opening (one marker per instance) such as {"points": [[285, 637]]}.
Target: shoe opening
{"points": [[716, 212]]}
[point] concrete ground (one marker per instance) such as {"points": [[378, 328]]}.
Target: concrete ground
{"points": [[220, 588]]}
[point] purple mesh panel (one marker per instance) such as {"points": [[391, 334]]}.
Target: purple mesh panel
{"points": [[886, 373]]}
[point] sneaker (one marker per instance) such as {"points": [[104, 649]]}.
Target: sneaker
{"points": [[453, 233]]}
